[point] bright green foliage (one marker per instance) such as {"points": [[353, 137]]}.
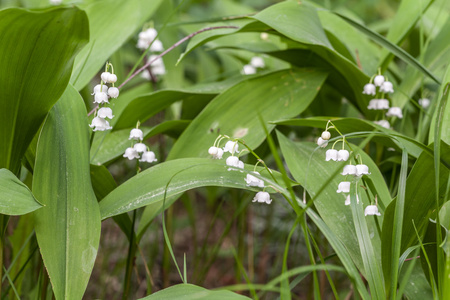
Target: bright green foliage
{"points": [[37, 50], [192, 292], [15, 197], [68, 227]]}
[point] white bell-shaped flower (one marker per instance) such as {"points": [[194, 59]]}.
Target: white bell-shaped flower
{"points": [[331, 154], [100, 124], [216, 152], [395, 112], [257, 62], [373, 104], [112, 78], [387, 87], [371, 210], [100, 88], [105, 112], [262, 197], [248, 70], [149, 34], [383, 123], [157, 65], [232, 161], [343, 187], [101, 97], [321, 142], [105, 76], [231, 146], [326, 135], [362, 170], [378, 80], [113, 92], [383, 104], [349, 170], [140, 147], [136, 134], [347, 200], [157, 46], [142, 44], [131, 153], [424, 102], [370, 89], [253, 181], [343, 155], [148, 156]]}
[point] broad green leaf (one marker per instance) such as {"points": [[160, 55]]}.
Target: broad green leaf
{"points": [[192, 292], [183, 174], [37, 51], [310, 169], [301, 23], [419, 204], [406, 17], [15, 197], [144, 107], [111, 23], [68, 226], [394, 49], [235, 112], [438, 51], [108, 146]]}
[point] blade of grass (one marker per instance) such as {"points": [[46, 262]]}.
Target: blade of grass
{"points": [[398, 225], [437, 154]]}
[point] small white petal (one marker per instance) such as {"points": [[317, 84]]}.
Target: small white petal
{"points": [[262, 197], [100, 124], [131, 153], [101, 97], [321, 142], [343, 155], [104, 76], [113, 92], [425, 103], [371, 210], [395, 112], [383, 104], [331, 154], [378, 80], [248, 70], [136, 134], [257, 62], [105, 112], [349, 170], [231, 146], [148, 156], [387, 87], [362, 170], [140, 147], [232, 161], [326, 135], [370, 89], [112, 78], [343, 187]]}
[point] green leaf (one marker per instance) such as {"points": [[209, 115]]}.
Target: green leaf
{"points": [[111, 23], [15, 197], [301, 23], [68, 227], [310, 169], [148, 187], [394, 49], [404, 21], [37, 50], [192, 292], [235, 112], [442, 113]]}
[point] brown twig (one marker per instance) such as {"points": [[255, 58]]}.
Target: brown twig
{"points": [[164, 53]]}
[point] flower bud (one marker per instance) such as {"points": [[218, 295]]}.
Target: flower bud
{"points": [[326, 135]]}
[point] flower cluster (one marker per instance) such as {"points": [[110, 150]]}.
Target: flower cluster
{"points": [[352, 173], [147, 39], [232, 146], [255, 63], [102, 93], [380, 87], [138, 149]]}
